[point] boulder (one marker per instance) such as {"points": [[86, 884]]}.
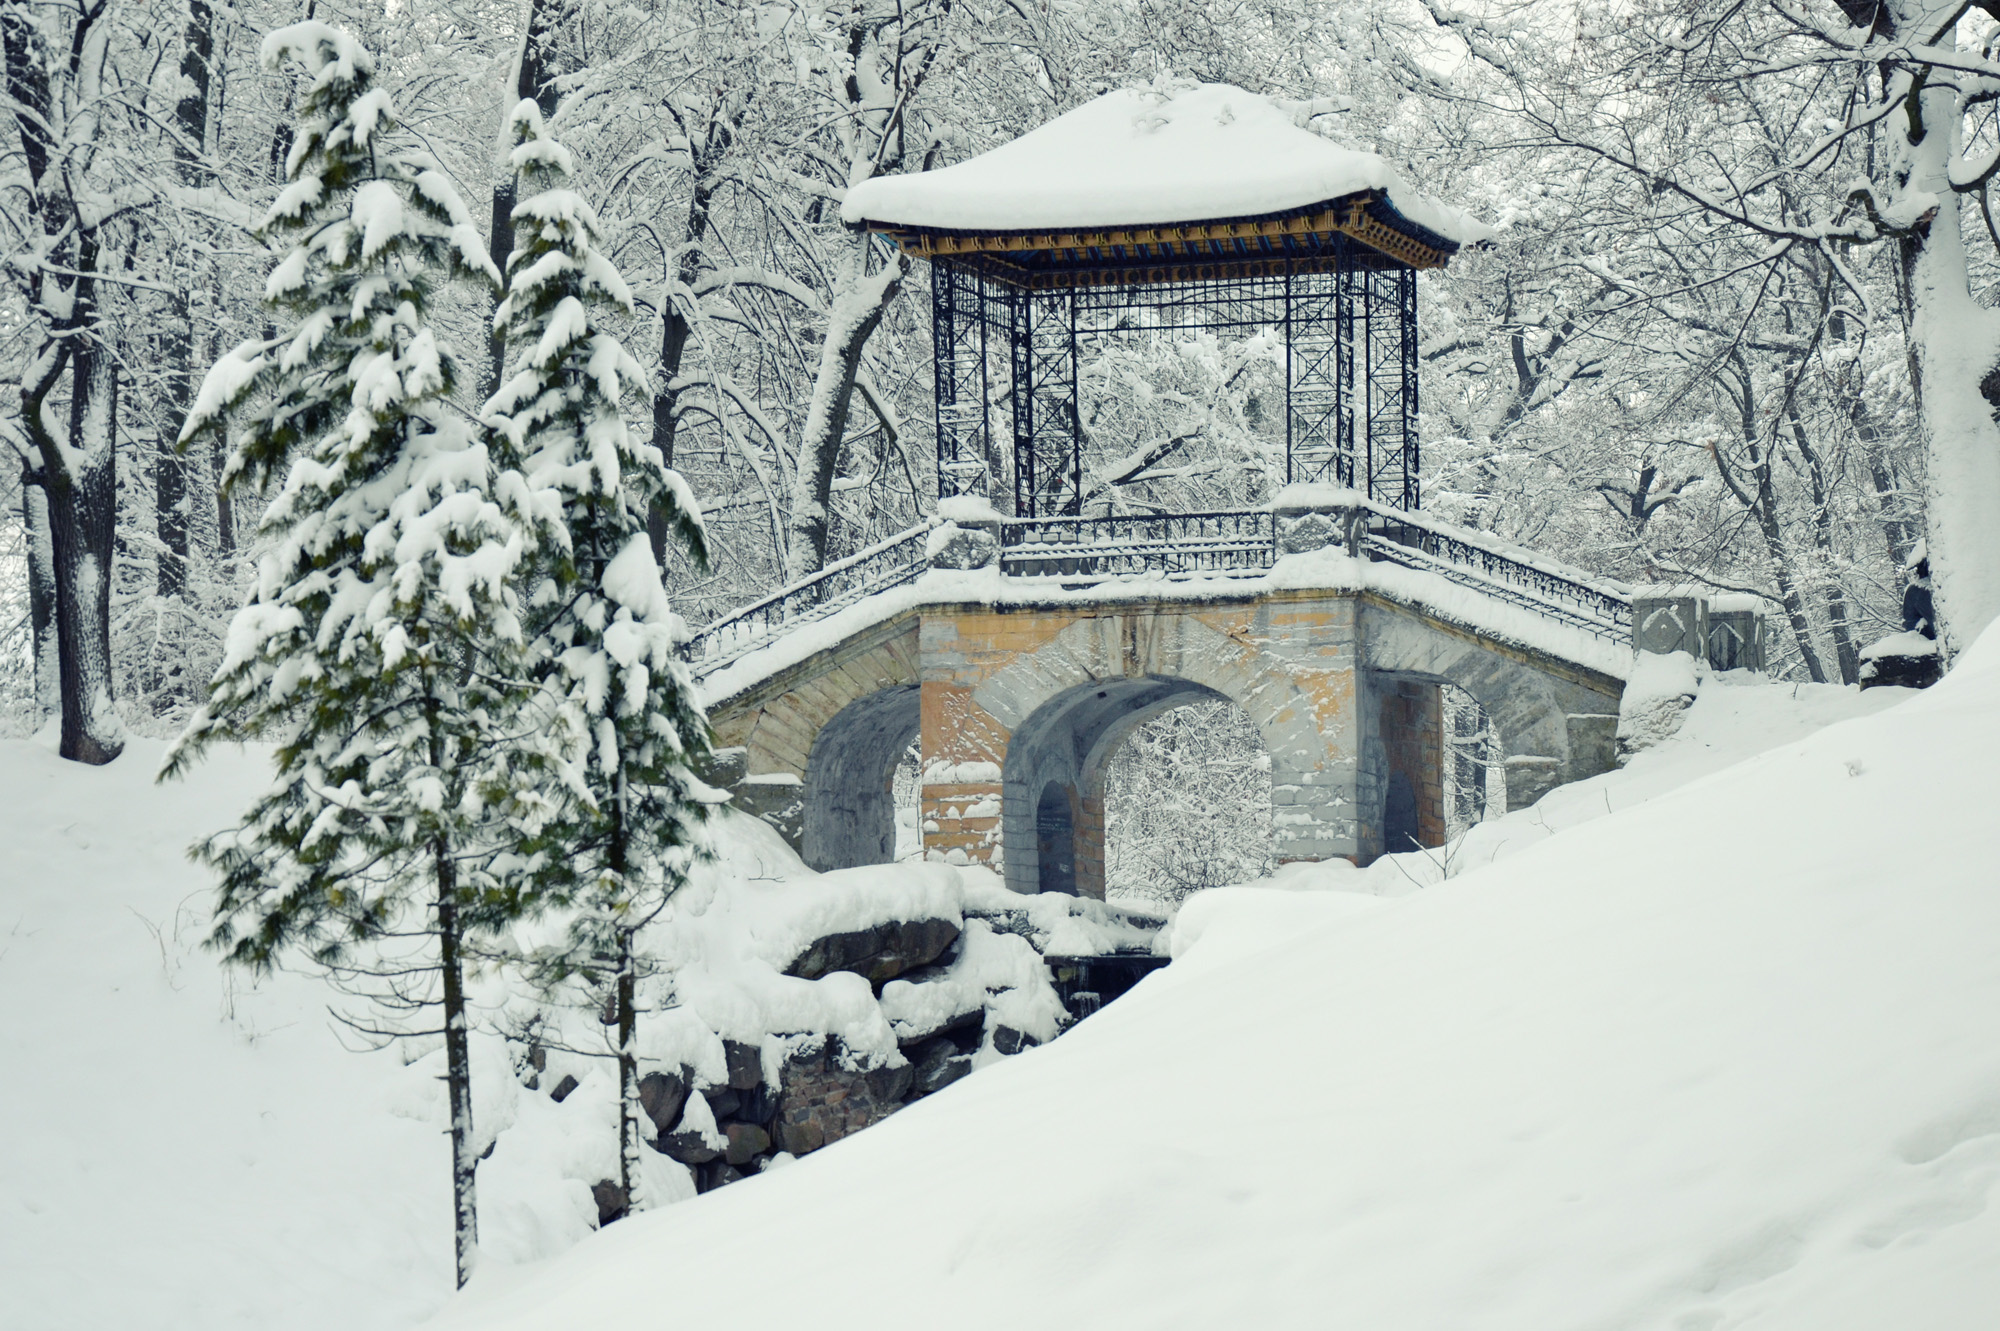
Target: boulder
{"points": [[661, 1095], [889, 1085], [1010, 1041], [745, 1063], [939, 1065], [801, 1132], [965, 1028], [722, 1101], [563, 1088], [716, 1174], [1902, 671], [879, 954], [746, 1142], [690, 1148], [610, 1199]]}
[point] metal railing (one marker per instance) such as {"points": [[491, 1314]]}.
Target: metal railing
{"points": [[1176, 545], [1242, 543], [1491, 574], [881, 566]]}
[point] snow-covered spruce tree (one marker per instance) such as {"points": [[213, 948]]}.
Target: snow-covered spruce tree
{"points": [[365, 650], [605, 800]]}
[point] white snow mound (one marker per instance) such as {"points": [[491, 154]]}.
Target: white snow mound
{"points": [[1728, 1058]]}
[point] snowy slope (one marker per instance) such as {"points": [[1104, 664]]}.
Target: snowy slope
{"points": [[178, 1149], [1727, 1058]]}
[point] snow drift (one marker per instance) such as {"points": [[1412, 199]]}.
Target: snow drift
{"points": [[1728, 1058]]}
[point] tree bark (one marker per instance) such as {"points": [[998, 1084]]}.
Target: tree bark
{"points": [[457, 1069], [630, 1164], [675, 329], [41, 595], [83, 521], [1836, 597], [1956, 347], [169, 463], [78, 461], [857, 311]]}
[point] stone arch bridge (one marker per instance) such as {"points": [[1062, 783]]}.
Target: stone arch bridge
{"points": [[1018, 655]]}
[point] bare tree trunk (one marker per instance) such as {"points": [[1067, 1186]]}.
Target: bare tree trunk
{"points": [[83, 521], [1763, 506], [41, 595], [457, 1070], [78, 462], [857, 311], [1836, 597], [1957, 352], [169, 464], [630, 1164], [674, 329]]}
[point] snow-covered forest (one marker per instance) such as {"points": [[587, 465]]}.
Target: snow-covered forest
{"points": [[1690, 355], [390, 392]]}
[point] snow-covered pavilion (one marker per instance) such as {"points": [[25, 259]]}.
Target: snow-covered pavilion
{"points": [[1210, 208]]}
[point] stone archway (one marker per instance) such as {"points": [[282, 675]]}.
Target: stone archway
{"points": [[1554, 725], [850, 810], [1067, 706], [811, 749]]}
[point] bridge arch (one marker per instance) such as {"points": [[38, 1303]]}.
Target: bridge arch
{"points": [[849, 818], [812, 748], [1553, 725], [1069, 706]]}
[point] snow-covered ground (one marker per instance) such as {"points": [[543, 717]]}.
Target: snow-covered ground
{"points": [[179, 1149], [1730, 1057], [1727, 1055]]}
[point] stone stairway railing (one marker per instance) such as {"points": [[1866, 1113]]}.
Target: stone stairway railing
{"points": [[1079, 552]]}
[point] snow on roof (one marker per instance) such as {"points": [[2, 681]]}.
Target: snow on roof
{"points": [[1137, 157]]}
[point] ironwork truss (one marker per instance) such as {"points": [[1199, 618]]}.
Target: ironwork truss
{"points": [[1007, 369]]}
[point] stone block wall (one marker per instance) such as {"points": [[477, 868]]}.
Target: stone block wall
{"points": [[1014, 698]]}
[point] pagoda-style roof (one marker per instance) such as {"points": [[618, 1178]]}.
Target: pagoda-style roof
{"points": [[1137, 186]]}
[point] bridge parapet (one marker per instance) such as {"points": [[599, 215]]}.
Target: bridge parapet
{"points": [[1078, 552]]}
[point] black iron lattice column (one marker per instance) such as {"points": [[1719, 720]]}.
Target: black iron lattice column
{"points": [[1048, 447], [958, 366], [1350, 290], [1390, 378], [1406, 302], [1318, 415]]}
